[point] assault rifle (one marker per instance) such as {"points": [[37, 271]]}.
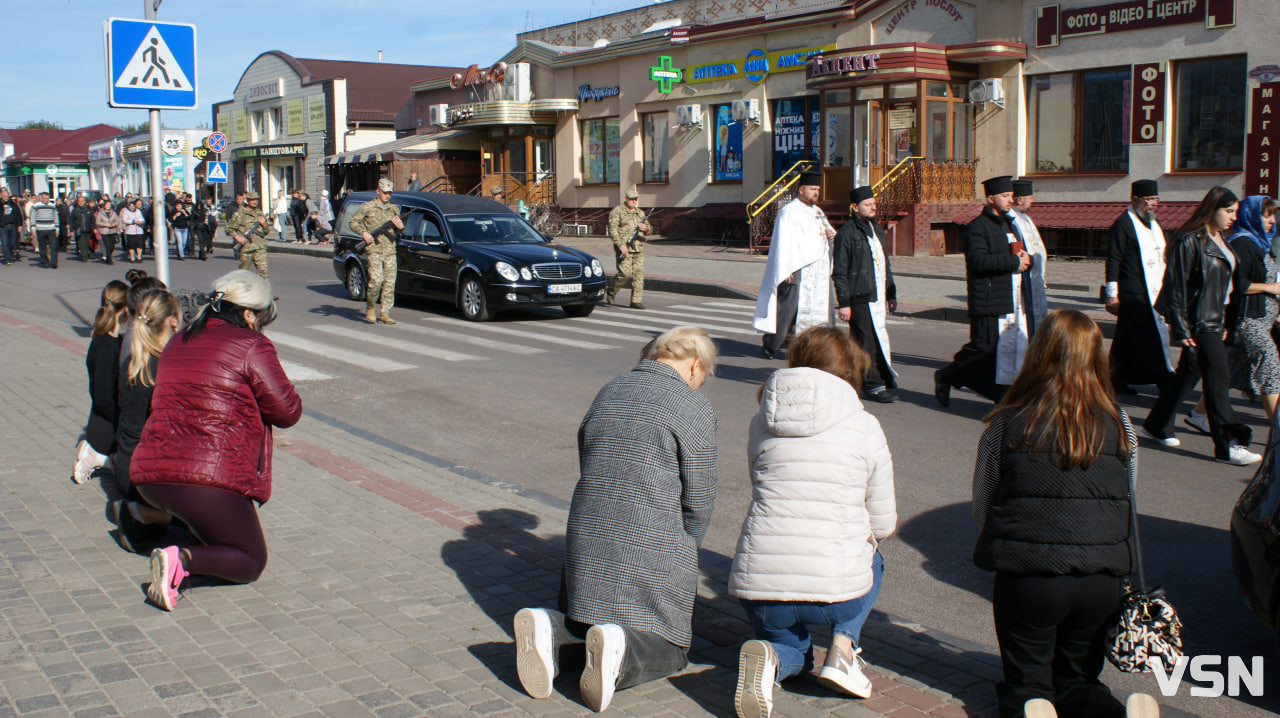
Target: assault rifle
{"points": [[636, 237], [362, 246], [258, 231]]}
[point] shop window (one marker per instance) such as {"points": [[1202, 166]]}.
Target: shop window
{"points": [[728, 145], [655, 139], [874, 92], [275, 125], [836, 150], [906, 89], [1209, 107], [795, 132], [837, 97], [1077, 121], [257, 128], [935, 89], [600, 151]]}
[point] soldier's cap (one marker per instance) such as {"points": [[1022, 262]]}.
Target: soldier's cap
{"points": [[251, 195], [385, 185], [632, 194], [496, 189]]}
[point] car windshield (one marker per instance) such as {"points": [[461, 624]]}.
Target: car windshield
{"points": [[501, 228]]}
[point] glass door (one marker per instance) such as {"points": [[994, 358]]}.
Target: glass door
{"points": [[837, 146], [875, 154]]}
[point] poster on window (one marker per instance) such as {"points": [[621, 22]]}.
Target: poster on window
{"points": [[790, 134], [172, 170], [728, 167], [612, 147], [593, 152]]}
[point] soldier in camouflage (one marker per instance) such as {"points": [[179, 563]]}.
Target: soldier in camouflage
{"points": [[253, 250], [627, 221], [380, 251]]}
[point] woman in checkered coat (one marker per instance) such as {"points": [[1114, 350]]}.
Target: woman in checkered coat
{"points": [[647, 453]]}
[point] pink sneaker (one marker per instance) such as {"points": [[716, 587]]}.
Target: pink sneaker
{"points": [[166, 576]]}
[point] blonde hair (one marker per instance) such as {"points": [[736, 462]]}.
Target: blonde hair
{"points": [[107, 320], [151, 331], [680, 344]]}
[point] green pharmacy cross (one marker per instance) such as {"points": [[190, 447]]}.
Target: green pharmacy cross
{"points": [[665, 75]]}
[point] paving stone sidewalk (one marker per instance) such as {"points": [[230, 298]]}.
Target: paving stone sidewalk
{"points": [[391, 586]]}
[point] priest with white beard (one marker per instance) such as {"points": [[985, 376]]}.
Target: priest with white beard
{"points": [[1029, 284], [1140, 352], [796, 287]]}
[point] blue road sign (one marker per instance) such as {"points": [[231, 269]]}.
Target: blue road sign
{"points": [[150, 64], [217, 172], [218, 142]]}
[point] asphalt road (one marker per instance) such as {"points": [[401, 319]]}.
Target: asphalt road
{"points": [[504, 399]]}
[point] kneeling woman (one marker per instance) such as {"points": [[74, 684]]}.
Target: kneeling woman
{"points": [[205, 454], [822, 499]]}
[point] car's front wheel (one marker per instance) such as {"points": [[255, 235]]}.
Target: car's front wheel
{"points": [[579, 310], [356, 284], [471, 299]]}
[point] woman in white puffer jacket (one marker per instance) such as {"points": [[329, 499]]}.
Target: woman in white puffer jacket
{"points": [[822, 499]]}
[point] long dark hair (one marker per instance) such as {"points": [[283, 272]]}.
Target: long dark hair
{"points": [[1064, 391], [1214, 200]]}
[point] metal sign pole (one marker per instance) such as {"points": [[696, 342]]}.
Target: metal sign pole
{"points": [[159, 235]]}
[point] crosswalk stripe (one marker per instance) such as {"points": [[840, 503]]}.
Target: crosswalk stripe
{"points": [[365, 361], [656, 329], [669, 323], [525, 334], [735, 312], [302, 372], [601, 333], [393, 343], [693, 317], [467, 339], [732, 305]]}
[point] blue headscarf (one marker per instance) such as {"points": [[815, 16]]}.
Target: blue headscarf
{"points": [[1249, 223]]}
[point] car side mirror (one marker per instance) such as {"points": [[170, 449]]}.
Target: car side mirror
{"points": [[548, 237]]}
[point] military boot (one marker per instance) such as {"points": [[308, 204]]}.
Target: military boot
{"points": [[370, 316], [386, 319]]}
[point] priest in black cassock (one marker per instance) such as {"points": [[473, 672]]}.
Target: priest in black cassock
{"points": [[1135, 271], [865, 292], [993, 259]]}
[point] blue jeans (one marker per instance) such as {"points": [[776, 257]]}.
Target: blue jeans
{"points": [[784, 624]]}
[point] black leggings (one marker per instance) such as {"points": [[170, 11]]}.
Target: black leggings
{"points": [[1208, 362], [225, 522]]}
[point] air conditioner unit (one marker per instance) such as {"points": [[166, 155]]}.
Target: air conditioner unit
{"points": [[988, 90], [744, 110], [438, 115], [515, 83], [687, 115]]}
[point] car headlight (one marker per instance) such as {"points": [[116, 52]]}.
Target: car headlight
{"points": [[525, 274], [507, 271], [595, 267]]}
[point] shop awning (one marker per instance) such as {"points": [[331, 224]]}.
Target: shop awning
{"points": [[1092, 215], [407, 148]]}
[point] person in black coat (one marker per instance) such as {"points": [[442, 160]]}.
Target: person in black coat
{"points": [[298, 215], [82, 227], [861, 298], [989, 264], [1134, 273], [1193, 301]]}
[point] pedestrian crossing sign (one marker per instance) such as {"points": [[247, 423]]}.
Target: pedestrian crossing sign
{"points": [[150, 65], [217, 172]]}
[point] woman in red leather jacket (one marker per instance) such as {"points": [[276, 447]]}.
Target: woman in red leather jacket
{"points": [[205, 453]]}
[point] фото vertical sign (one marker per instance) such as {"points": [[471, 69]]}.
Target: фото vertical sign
{"points": [[1146, 125], [1261, 165]]}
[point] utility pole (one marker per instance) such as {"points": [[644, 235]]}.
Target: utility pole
{"points": [[159, 233]]}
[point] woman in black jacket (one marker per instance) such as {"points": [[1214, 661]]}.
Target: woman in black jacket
{"points": [[1052, 488], [1193, 302]]}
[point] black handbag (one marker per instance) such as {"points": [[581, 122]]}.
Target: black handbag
{"points": [[1148, 626]]}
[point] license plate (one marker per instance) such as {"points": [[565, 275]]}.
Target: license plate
{"points": [[564, 289]]}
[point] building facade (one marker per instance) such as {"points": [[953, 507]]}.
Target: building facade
{"points": [[54, 161], [122, 164], [288, 114]]}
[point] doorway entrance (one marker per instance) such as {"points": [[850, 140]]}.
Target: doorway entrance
{"points": [[520, 161]]}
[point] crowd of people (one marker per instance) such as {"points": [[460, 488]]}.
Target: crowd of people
{"points": [[180, 426]]}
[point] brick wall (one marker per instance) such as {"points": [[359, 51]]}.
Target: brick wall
{"points": [[913, 234]]}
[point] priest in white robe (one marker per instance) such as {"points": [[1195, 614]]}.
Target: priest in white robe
{"points": [[1030, 287], [796, 287]]}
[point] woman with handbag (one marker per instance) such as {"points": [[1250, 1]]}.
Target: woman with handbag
{"points": [[1051, 499], [1193, 301]]}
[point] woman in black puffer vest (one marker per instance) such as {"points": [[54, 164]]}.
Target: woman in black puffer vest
{"points": [[1051, 496]]}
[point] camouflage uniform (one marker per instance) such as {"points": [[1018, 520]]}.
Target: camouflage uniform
{"points": [[253, 253], [622, 225], [381, 254]]}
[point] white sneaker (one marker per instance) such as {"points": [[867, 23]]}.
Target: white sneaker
{"points": [[846, 676], [1199, 422], [606, 645], [1169, 441], [1141, 705], [1039, 708], [1237, 455], [87, 462], [757, 671], [535, 651]]}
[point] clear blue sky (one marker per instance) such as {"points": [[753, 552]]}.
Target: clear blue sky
{"points": [[51, 51]]}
